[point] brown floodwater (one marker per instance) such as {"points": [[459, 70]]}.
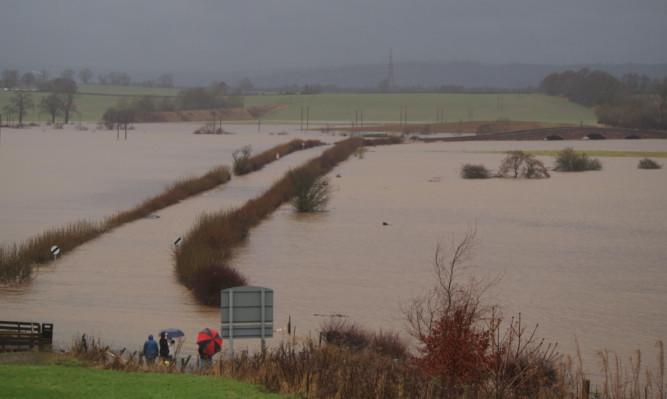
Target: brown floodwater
{"points": [[581, 254]]}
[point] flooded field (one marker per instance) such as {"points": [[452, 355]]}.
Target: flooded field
{"points": [[582, 254]]}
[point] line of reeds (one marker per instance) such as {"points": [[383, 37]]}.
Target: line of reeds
{"points": [[17, 262], [211, 241], [258, 161]]}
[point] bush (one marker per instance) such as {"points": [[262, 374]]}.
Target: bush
{"points": [[470, 171], [570, 161], [456, 349], [348, 335], [209, 281], [312, 191], [242, 160], [351, 336], [519, 164], [647, 163]]}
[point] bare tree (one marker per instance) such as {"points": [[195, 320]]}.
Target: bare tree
{"points": [[52, 104], [523, 363], [520, 164], [67, 74], [165, 80], [19, 104], [10, 78], [85, 75], [455, 285], [28, 79]]}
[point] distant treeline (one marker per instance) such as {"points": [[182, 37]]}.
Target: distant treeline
{"points": [[634, 101], [214, 97]]}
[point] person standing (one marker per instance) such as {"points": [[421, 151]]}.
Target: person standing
{"points": [[205, 359], [150, 350], [164, 347]]}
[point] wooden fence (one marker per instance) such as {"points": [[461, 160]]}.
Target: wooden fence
{"points": [[24, 336]]}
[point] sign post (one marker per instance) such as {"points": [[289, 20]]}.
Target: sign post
{"points": [[246, 312], [55, 251]]}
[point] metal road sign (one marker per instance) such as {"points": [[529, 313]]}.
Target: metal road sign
{"points": [[246, 312]]}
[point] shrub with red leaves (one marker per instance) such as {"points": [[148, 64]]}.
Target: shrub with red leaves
{"points": [[456, 351]]}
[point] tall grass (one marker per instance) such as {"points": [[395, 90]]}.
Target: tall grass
{"points": [[215, 235], [256, 162], [17, 261]]}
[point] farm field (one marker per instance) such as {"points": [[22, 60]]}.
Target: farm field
{"points": [[346, 108], [423, 108]]}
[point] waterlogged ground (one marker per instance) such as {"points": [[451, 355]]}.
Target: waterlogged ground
{"points": [[582, 254]]}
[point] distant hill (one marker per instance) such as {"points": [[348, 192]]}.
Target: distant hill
{"points": [[431, 74], [471, 75]]}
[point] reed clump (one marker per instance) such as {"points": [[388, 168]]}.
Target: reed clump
{"points": [[212, 279], [15, 268], [215, 235], [648, 163], [475, 171], [17, 262], [569, 160], [245, 162], [388, 140]]}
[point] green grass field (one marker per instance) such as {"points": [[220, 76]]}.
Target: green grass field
{"points": [[93, 100], [74, 381], [423, 107]]}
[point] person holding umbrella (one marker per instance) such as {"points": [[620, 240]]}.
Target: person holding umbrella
{"points": [[164, 347], [209, 342], [175, 337]]}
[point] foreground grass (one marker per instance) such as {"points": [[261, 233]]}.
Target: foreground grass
{"points": [[67, 381]]}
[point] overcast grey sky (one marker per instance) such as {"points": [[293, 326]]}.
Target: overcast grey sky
{"points": [[228, 35]]}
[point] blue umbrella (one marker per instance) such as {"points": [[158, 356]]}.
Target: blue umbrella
{"points": [[172, 333]]}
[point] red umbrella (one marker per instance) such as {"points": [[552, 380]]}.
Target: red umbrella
{"points": [[209, 341]]}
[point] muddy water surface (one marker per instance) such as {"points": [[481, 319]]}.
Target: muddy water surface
{"points": [[582, 254]]}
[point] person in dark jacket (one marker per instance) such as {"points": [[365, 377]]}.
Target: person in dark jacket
{"points": [[164, 347], [150, 349]]}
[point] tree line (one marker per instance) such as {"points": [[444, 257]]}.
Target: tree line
{"points": [[33, 80], [60, 101], [634, 101], [217, 96]]}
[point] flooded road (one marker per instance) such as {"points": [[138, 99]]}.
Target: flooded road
{"points": [[582, 254]]}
